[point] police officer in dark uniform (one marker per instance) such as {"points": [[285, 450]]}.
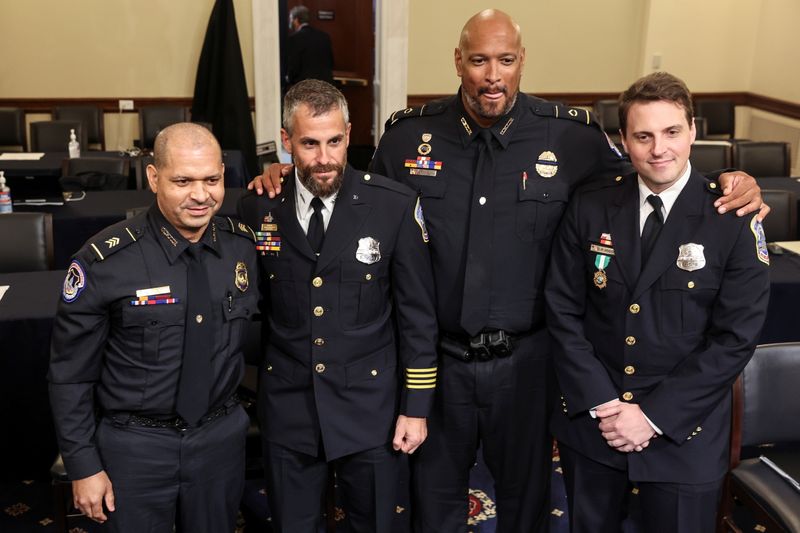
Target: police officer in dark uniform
{"points": [[147, 353], [495, 168], [655, 304], [350, 367]]}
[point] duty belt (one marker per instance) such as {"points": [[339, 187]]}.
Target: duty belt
{"points": [[178, 423], [482, 347]]}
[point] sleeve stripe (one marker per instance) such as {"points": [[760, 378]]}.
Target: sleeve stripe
{"points": [[413, 370], [431, 375], [421, 386], [420, 381]]}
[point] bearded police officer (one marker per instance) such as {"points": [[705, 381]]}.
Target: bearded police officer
{"points": [[495, 168], [147, 353], [350, 367]]}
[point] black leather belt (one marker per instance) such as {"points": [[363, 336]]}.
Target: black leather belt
{"points": [[178, 423], [482, 347]]}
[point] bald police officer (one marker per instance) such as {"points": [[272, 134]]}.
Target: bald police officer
{"points": [[147, 353]]}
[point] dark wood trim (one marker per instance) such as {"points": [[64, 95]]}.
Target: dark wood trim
{"points": [[108, 105], [756, 101]]}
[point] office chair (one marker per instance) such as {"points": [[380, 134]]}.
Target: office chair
{"points": [[720, 116], [607, 115], [153, 119], [762, 159], [27, 242], [53, 135], [12, 128], [781, 224], [91, 119], [701, 127], [708, 156], [766, 408], [95, 174]]}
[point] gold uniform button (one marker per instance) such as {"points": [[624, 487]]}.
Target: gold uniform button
{"points": [[271, 276], [368, 277], [712, 185], [320, 368], [690, 284], [634, 308], [618, 178], [630, 370], [630, 340], [373, 372], [199, 319], [367, 177], [319, 311], [699, 428], [628, 396], [269, 368], [690, 438], [319, 341], [317, 282]]}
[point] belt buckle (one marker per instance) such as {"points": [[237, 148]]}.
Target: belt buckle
{"points": [[479, 349], [500, 343]]}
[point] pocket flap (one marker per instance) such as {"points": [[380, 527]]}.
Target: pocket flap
{"points": [[153, 316]]}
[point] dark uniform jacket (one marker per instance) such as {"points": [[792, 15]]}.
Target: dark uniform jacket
{"points": [[542, 151], [121, 357], [672, 338], [309, 55], [352, 333]]}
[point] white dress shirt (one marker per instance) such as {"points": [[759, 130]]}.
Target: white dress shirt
{"points": [[302, 203]]}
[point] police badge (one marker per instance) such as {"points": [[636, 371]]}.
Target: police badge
{"points": [[242, 282], [690, 257], [369, 250]]}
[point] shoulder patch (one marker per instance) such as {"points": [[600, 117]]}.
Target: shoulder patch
{"points": [[74, 282], [376, 180], [113, 239], [236, 227], [431, 108], [420, 219], [761, 240]]}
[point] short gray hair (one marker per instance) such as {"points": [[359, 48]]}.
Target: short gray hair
{"points": [[320, 96], [300, 13]]}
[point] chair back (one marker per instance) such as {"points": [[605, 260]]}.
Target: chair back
{"points": [[781, 224], [708, 156], [95, 173], [770, 403], [720, 116], [607, 115], [53, 135], [26, 242], [91, 119], [701, 127], [153, 119], [12, 128], [762, 159]]}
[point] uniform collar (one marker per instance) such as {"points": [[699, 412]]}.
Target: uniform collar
{"points": [[172, 242], [502, 130]]}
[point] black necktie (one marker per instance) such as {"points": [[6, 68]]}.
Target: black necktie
{"points": [[652, 227], [477, 276], [195, 382], [316, 226]]}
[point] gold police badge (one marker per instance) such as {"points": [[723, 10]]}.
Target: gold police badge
{"points": [[242, 282], [547, 164], [690, 257]]}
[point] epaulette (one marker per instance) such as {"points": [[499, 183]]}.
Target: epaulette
{"points": [[236, 227], [376, 180], [114, 238], [605, 182], [544, 108], [713, 187], [431, 108]]}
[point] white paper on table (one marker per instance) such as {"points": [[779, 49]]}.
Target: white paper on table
{"points": [[792, 246], [3, 289], [21, 156]]}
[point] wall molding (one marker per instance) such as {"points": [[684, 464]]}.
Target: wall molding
{"points": [[108, 105]]}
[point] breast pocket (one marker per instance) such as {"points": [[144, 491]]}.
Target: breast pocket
{"points": [[153, 329], [284, 306], [687, 299], [363, 294], [237, 312], [428, 186], [541, 201]]}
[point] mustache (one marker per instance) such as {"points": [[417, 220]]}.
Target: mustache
{"points": [[208, 203], [483, 90], [330, 167]]}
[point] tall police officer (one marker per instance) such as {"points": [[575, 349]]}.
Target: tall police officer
{"points": [[655, 304], [350, 367], [495, 168], [146, 353]]}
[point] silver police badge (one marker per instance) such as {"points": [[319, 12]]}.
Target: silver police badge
{"points": [[690, 257], [369, 250]]}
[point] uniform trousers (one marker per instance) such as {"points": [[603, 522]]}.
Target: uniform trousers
{"points": [[597, 499], [503, 405], [296, 485], [163, 476]]}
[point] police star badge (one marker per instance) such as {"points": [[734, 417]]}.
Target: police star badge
{"points": [[690, 257], [369, 250], [547, 164], [242, 281]]}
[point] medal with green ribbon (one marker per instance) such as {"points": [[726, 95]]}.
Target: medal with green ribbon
{"points": [[602, 259]]}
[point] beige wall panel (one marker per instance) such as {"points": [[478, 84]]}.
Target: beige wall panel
{"points": [[102, 48], [770, 127], [775, 70], [572, 45]]}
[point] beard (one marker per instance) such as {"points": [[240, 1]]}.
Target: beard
{"points": [[486, 112], [315, 187]]}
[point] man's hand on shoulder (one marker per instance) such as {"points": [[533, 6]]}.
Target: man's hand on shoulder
{"points": [[271, 180], [409, 433], [90, 493], [741, 192]]}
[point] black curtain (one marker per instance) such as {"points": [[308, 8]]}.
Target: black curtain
{"points": [[220, 90]]}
